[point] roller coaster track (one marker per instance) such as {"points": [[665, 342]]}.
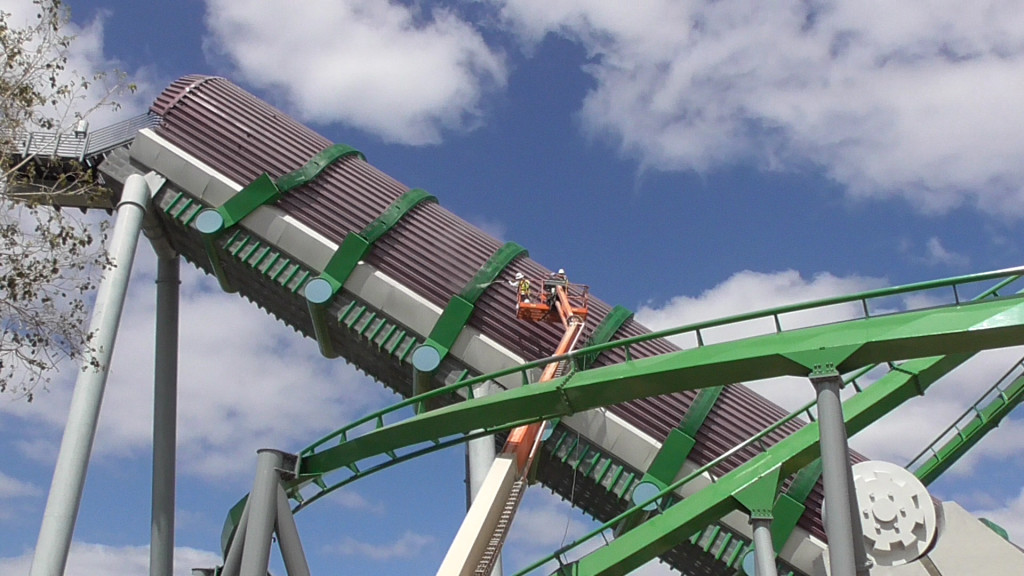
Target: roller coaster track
{"points": [[927, 343]]}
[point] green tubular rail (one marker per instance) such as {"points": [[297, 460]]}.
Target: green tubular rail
{"points": [[967, 430], [907, 334], [1006, 278]]}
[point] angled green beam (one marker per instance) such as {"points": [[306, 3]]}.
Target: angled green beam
{"points": [[603, 333], [790, 505], [321, 290], [984, 421], [456, 315], [262, 191], [661, 533], [966, 328], [673, 452]]}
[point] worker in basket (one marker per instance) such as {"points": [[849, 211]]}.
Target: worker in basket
{"points": [[522, 285], [554, 280]]}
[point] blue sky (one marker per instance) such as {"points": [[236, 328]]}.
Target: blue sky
{"points": [[685, 159]]}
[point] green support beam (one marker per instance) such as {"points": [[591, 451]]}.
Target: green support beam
{"points": [[321, 290], [984, 421], [966, 328], [791, 504], [456, 315]]}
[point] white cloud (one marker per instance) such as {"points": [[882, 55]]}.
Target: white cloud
{"points": [[938, 254], [408, 545], [98, 560], [404, 73], [245, 382], [916, 100], [13, 488], [87, 57], [916, 423], [750, 291]]}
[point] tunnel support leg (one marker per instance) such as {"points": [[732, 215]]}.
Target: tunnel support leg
{"points": [[58, 526], [165, 414]]}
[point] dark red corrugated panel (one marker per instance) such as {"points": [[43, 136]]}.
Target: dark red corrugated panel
{"points": [[431, 249]]}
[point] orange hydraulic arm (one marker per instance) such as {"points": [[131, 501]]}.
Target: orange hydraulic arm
{"points": [[523, 441]]}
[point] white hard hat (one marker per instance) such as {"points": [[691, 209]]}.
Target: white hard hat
{"points": [[561, 270], [519, 276]]}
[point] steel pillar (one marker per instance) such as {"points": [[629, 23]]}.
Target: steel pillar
{"points": [[288, 537], [842, 524], [764, 551], [58, 526], [262, 512], [165, 414], [480, 455]]}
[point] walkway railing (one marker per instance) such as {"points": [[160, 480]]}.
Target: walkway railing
{"points": [[78, 146]]}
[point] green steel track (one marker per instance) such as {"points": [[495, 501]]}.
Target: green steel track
{"points": [[918, 346]]}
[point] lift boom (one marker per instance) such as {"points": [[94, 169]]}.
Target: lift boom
{"points": [[478, 543]]}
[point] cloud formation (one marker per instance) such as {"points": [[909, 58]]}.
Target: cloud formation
{"points": [[245, 382], [88, 559], [914, 100], [404, 73]]}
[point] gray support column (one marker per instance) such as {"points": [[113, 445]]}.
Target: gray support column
{"points": [[262, 512], [288, 538], [480, 455], [165, 415], [860, 555], [233, 557], [835, 464], [764, 551], [58, 526]]}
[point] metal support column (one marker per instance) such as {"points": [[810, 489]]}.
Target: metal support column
{"points": [[835, 463], [165, 414], [262, 512], [288, 537], [764, 551], [480, 454], [54, 543]]}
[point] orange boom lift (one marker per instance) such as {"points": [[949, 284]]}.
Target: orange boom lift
{"points": [[478, 543]]}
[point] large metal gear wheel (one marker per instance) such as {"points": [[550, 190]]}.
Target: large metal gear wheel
{"points": [[896, 512]]}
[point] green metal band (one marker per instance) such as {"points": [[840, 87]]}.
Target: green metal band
{"points": [[488, 273], [264, 190], [460, 307], [603, 333], [355, 245], [791, 504], [345, 259], [681, 440], [312, 169]]}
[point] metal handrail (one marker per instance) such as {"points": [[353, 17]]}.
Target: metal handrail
{"points": [[968, 414], [70, 145], [1008, 275]]}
